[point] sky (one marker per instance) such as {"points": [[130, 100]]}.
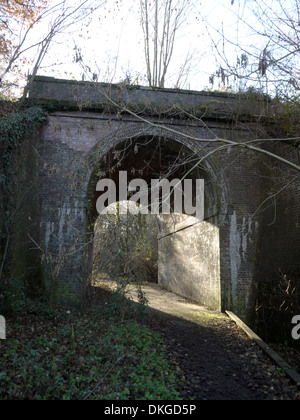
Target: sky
{"points": [[112, 45]]}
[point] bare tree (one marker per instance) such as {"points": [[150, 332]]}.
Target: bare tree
{"points": [[125, 246], [57, 18], [161, 21], [271, 62]]}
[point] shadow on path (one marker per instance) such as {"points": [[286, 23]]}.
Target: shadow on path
{"points": [[215, 359]]}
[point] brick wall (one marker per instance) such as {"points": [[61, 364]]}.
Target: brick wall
{"points": [[216, 263], [72, 145]]}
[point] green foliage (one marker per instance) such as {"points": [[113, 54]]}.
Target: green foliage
{"points": [[13, 295], [62, 356], [281, 372], [13, 130], [151, 377], [18, 125], [121, 304]]}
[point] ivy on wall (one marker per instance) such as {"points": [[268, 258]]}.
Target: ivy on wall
{"points": [[13, 130], [16, 126]]}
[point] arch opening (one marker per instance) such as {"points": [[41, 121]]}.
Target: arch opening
{"points": [[177, 250]]}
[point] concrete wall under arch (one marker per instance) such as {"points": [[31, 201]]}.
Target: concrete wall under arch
{"points": [[189, 261]]}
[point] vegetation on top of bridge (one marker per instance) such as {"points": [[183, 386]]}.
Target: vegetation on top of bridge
{"points": [[69, 95], [275, 118]]}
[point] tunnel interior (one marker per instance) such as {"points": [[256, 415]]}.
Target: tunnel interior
{"points": [[176, 250]]}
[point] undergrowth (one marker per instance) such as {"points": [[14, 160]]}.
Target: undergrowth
{"points": [[51, 354]]}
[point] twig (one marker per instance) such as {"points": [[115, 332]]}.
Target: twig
{"points": [[102, 379], [4, 255]]}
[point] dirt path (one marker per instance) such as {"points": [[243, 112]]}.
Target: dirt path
{"points": [[214, 357]]}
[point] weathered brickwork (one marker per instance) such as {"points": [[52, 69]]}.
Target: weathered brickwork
{"points": [[215, 263]]}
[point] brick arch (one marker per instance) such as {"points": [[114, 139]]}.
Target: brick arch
{"points": [[137, 131], [202, 242], [73, 143]]}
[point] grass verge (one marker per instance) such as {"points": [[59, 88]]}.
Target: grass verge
{"points": [[50, 354]]}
